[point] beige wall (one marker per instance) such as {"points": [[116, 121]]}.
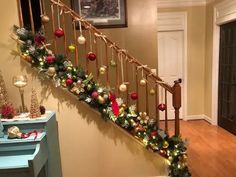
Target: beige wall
{"points": [[195, 58], [89, 146]]}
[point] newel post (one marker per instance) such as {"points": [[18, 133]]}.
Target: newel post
{"points": [[177, 104]]}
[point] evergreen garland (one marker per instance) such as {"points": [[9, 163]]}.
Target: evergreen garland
{"points": [[34, 49]]}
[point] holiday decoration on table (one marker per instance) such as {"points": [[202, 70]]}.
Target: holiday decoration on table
{"points": [[20, 81], [3, 91], [14, 132], [111, 108], [8, 111], [35, 107], [42, 109]]}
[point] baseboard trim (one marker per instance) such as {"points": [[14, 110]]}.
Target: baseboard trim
{"points": [[198, 117]]}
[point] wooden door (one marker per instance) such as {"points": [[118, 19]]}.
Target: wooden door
{"points": [[227, 78], [170, 63]]}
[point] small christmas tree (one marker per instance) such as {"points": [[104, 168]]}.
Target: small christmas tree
{"points": [[3, 91], [34, 108]]}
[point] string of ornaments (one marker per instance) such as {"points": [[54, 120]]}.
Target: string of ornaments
{"points": [[59, 32]]}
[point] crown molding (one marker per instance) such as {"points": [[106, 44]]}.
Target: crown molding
{"points": [[181, 3]]}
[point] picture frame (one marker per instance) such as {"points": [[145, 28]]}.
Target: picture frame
{"points": [[102, 13]]}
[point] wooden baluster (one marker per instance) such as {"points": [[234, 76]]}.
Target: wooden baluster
{"points": [[156, 105], [117, 74], [147, 96], [41, 12], [65, 38], [31, 17], [21, 23], [177, 105], [166, 113], [137, 85], [107, 65], [96, 52], [75, 41], [86, 50], [53, 28], [127, 79]]}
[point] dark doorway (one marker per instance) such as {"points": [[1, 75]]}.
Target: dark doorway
{"points": [[35, 12], [227, 78]]}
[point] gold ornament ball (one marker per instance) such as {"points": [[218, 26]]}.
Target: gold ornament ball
{"points": [[102, 70], [142, 82], [41, 63], [123, 88], [101, 100], [71, 48], [81, 39], [89, 87], [165, 144], [45, 19], [51, 71], [113, 63], [123, 105], [152, 92]]}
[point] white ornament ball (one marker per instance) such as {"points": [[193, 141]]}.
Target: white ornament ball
{"points": [[81, 39], [123, 88]]}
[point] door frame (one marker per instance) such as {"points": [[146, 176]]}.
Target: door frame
{"points": [[177, 21], [224, 12]]}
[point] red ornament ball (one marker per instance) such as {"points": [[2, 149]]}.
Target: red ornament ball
{"points": [[161, 107], [91, 56], [95, 94], [50, 59], [154, 133], [134, 95], [59, 32], [69, 82]]}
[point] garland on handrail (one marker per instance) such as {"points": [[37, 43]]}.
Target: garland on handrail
{"points": [[33, 48]]}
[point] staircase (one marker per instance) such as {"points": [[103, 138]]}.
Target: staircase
{"points": [[82, 60]]}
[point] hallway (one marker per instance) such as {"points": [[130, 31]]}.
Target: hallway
{"points": [[211, 149]]}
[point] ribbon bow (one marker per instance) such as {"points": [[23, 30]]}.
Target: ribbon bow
{"points": [[114, 104]]}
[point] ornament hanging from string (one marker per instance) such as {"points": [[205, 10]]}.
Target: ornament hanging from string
{"points": [[44, 18], [59, 31], [162, 106], [112, 62], [81, 39], [91, 55], [123, 86], [103, 68], [143, 81]]}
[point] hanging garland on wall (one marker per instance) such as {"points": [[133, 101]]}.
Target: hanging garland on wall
{"points": [[33, 48]]}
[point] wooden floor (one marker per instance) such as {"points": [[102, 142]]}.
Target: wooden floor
{"points": [[211, 150]]}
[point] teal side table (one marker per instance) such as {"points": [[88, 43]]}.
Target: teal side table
{"points": [[29, 157]]}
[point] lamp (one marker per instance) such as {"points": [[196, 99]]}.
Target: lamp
{"points": [[20, 82]]}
